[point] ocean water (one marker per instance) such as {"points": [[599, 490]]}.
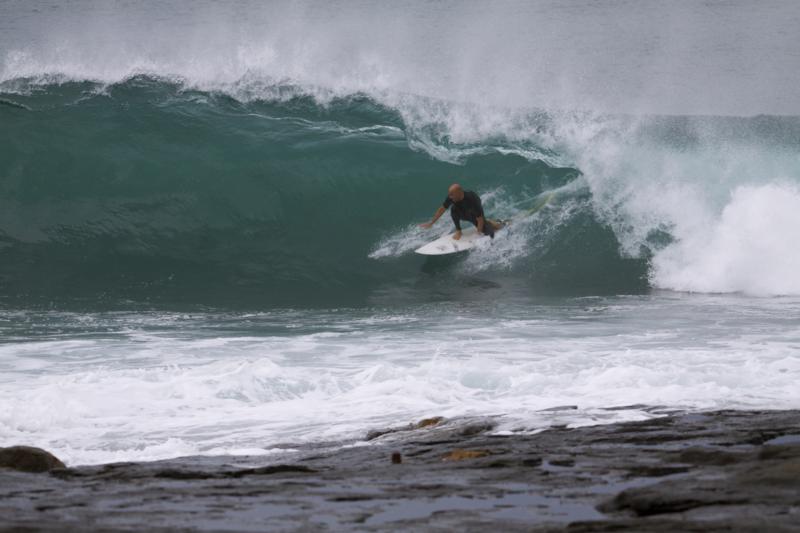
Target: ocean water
{"points": [[208, 212]]}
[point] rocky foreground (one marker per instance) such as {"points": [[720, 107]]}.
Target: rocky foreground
{"points": [[715, 471]]}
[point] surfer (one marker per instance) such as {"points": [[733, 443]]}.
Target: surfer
{"points": [[464, 205]]}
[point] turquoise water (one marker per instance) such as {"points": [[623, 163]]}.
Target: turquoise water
{"points": [[147, 192], [208, 213]]}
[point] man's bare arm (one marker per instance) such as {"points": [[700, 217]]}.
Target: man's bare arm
{"points": [[439, 213]]}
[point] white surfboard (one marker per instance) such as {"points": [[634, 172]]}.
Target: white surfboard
{"points": [[448, 245]]}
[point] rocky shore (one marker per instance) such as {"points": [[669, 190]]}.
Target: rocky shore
{"points": [[710, 471]]}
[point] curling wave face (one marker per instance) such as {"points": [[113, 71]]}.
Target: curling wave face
{"points": [[148, 190], [209, 155]]}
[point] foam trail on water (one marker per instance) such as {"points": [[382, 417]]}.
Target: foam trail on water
{"points": [[149, 392], [406, 240]]}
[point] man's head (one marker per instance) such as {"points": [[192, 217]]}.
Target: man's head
{"points": [[455, 192]]}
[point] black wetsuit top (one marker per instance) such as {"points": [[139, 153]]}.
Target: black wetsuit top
{"points": [[469, 208]]}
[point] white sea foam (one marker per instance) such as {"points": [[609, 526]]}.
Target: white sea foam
{"points": [[406, 240], [183, 392], [727, 200], [750, 247]]}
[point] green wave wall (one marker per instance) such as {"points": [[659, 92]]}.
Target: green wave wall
{"points": [[147, 193]]}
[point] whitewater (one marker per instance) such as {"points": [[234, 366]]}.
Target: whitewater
{"points": [[208, 213]]}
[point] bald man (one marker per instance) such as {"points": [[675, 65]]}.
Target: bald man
{"points": [[464, 205]]}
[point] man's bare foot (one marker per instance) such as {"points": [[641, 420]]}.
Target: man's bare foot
{"points": [[457, 235]]}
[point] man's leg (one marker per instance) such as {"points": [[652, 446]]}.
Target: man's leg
{"points": [[488, 227]]}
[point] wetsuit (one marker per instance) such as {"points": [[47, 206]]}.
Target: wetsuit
{"points": [[469, 209]]}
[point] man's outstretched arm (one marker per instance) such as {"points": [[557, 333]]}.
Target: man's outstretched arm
{"points": [[439, 213]]}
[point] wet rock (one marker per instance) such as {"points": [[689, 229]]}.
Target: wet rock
{"points": [[29, 459], [695, 472], [271, 469], [532, 461], [422, 424], [705, 456], [779, 452], [428, 422], [501, 464], [373, 434], [629, 407], [235, 474], [664, 499], [781, 470], [418, 451], [474, 428], [559, 408], [460, 455], [769, 478], [655, 471]]}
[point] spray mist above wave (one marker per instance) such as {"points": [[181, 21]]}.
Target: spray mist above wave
{"points": [[645, 57]]}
